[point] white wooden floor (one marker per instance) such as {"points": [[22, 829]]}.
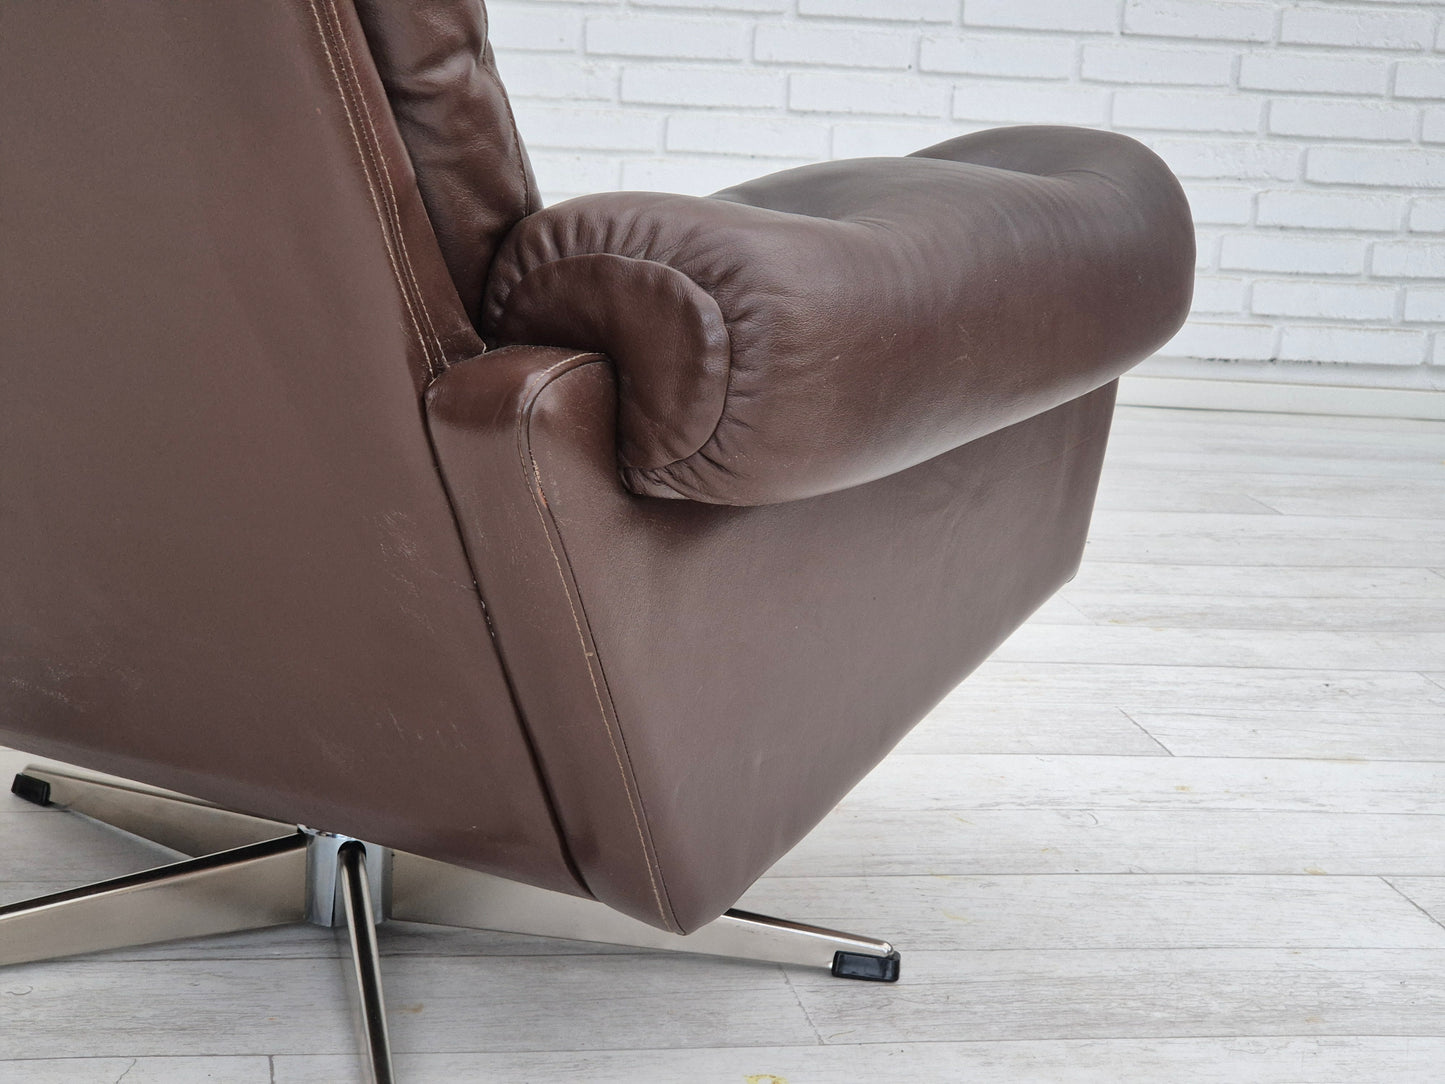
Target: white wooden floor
{"points": [[1188, 825]]}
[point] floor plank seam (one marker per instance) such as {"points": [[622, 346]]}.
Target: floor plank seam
{"points": [[1410, 899], [1145, 731], [797, 997]]}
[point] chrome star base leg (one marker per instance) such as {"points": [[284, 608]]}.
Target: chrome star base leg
{"points": [[243, 873], [249, 873], [355, 891], [424, 890], [248, 888]]}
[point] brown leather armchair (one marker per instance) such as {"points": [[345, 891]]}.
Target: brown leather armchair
{"points": [[610, 611]]}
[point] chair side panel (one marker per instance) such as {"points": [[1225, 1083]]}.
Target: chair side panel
{"points": [[703, 682]]}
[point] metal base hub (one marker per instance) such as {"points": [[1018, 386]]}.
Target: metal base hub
{"points": [[247, 872]]}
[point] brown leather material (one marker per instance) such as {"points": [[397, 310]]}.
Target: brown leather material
{"points": [[229, 565], [877, 312], [232, 567], [703, 683], [453, 113], [662, 407]]}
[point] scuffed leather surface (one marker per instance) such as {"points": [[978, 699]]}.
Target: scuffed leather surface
{"points": [[452, 111], [703, 683], [875, 312], [227, 563]]}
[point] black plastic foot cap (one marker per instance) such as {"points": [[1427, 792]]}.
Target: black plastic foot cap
{"points": [[38, 791], [859, 965]]}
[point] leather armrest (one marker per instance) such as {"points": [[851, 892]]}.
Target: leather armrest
{"points": [[833, 324]]}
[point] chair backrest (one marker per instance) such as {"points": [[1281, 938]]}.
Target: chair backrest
{"points": [[436, 63], [227, 563]]}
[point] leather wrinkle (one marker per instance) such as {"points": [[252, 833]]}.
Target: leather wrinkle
{"points": [[368, 165], [532, 477]]}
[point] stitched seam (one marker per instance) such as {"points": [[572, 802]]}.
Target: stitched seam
{"points": [[393, 207], [528, 460], [508, 677], [727, 327], [371, 188], [387, 202], [370, 183], [529, 465]]}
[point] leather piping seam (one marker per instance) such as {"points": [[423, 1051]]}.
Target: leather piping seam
{"points": [[727, 327], [534, 757], [367, 168], [533, 475], [393, 205]]}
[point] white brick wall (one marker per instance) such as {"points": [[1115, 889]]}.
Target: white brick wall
{"points": [[1310, 134]]}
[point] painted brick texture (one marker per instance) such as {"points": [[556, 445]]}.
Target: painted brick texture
{"points": [[1310, 134]]}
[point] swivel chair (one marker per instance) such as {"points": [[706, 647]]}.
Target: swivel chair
{"points": [[425, 553]]}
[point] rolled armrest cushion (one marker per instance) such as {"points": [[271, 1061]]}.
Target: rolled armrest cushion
{"points": [[829, 325]]}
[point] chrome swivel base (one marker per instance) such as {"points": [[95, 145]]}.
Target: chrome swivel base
{"points": [[247, 873]]}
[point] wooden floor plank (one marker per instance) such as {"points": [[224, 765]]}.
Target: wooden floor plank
{"points": [[1248, 614], [1126, 490], [1348, 1060], [1276, 426], [1142, 489], [868, 843], [1244, 529], [965, 724], [1265, 449], [963, 783], [1140, 994], [1169, 456], [1233, 539], [1351, 497], [148, 1071], [1303, 649], [1118, 911], [1334, 735], [1282, 434], [1300, 580], [1206, 688], [102, 1008]]}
